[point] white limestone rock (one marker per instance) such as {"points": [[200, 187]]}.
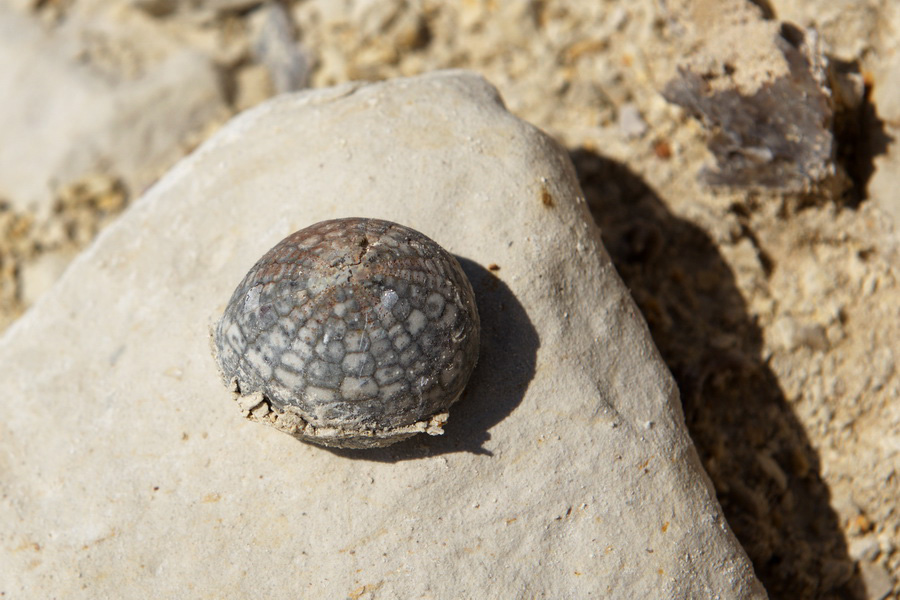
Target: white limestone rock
{"points": [[108, 93], [565, 471]]}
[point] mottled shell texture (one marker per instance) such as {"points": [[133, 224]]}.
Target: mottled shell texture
{"points": [[351, 333]]}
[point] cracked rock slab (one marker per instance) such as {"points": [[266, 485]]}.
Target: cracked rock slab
{"points": [[765, 101], [565, 470]]}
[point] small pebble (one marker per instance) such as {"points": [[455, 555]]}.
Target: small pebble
{"points": [[630, 121]]}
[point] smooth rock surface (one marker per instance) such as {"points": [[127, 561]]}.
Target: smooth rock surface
{"points": [[106, 94], [565, 471]]}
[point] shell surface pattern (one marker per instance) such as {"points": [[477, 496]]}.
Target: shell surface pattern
{"points": [[350, 333]]}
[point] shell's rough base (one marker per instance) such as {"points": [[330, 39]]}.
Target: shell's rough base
{"points": [[256, 407]]}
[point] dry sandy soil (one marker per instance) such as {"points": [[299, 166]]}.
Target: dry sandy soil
{"points": [[777, 311]]}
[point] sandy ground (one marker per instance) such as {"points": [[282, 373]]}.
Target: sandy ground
{"points": [[779, 314]]}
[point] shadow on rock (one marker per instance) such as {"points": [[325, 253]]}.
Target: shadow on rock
{"points": [[765, 471], [506, 363], [860, 134]]}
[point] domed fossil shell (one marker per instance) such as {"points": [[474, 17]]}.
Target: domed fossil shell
{"points": [[350, 333]]}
